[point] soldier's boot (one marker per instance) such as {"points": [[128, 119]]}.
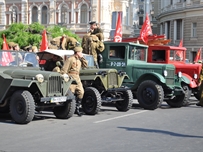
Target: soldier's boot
{"points": [[77, 109], [96, 64], [199, 104]]}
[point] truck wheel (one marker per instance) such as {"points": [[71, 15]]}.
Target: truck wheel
{"points": [[126, 104], [67, 110], [91, 101], [177, 101], [188, 92], [197, 95], [22, 107], [150, 95]]}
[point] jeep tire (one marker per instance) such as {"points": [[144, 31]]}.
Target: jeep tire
{"points": [[67, 110], [22, 107], [91, 102], [127, 101], [150, 95], [177, 101]]}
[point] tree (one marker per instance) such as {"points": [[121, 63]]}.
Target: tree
{"points": [[31, 34]]}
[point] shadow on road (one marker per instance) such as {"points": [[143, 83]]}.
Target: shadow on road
{"points": [[159, 132]]}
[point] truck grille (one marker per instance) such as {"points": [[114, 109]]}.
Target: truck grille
{"points": [[112, 79], [170, 79], [54, 85]]}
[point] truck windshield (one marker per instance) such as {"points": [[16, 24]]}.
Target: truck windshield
{"points": [[176, 55], [15, 58], [137, 53]]}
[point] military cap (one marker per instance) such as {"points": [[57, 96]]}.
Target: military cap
{"points": [[92, 22], [78, 49], [11, 44]]}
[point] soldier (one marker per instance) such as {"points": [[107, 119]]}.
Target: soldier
{"points": [[200, 103], [51, 63], [10, 45], [72, 67], [69, 43], [92, 43]]}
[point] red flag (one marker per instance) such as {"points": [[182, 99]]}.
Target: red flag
{"points": [[44, 42], [198, 55], [6, 56], [5, 45], [180, 53], [118, 32], [146, 30]]}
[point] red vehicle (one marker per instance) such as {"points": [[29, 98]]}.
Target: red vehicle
{"points": [[159, 52]]}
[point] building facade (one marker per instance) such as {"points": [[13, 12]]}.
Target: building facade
{"points": [[75, 14], [182, 19]]}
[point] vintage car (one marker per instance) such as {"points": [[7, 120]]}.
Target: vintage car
{"points": [[100, 85], [165, 54], [150, 83], [26, 89]]}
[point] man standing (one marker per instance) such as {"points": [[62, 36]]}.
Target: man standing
{"points": [[200, 103], [72, 67], [92, 43]]}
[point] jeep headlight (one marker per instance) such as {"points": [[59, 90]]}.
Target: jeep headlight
{"points": [[40, 78], [179, 74], [195, 76], [165, 73], [65, 77]]}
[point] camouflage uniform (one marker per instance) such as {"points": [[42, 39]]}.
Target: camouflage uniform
{"points": [[200, 103]]}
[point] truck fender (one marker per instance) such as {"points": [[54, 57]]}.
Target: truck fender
{"points": [[149, 76], [188, 80]]}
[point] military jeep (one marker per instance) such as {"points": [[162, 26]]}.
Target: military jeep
{"points": [[26, 89], [100, 85], [150, 83]]}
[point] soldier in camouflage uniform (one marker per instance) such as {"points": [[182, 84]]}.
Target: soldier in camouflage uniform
{"points": [[72, 67], [200, 103], [92, 43]]}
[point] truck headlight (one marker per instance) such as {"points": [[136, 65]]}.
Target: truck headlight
{"points": [[65, 77], [165, 73], [40, 78], [195, 76], [179, 74]]}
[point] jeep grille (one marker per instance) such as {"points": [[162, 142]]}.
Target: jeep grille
{"points": [[170, 79], [112, 79], [54, 85]]}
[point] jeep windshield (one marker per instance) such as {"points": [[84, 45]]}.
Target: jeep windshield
{"points": [[18, 58]]}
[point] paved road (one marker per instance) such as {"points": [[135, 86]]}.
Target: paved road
{"points": [[138, 130]]}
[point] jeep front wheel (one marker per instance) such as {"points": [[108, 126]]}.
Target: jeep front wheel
{"points": [[127, 101], [150, 95], [22, 107], [67, 110], [91, 101]]}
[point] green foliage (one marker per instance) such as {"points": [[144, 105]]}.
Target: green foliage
{"points": [[31, 34]]}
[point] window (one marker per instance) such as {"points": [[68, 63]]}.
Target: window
{"points": [[194, 30], [171, 2], [137, 53], [34, 14], [141, 20], [83, 14], [64, 14], [179, 29], [158, 55], [44, 15], [168, 30], [141, 9], [117, 52]]}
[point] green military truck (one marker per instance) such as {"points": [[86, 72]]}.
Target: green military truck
{"points": [[26, 89], [150, 83], [100, 85]]}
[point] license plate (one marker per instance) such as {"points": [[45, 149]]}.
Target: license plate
{"points": [[58, 99]]}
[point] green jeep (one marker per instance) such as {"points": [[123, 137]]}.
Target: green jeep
{"points": [[26, 89], [100, 85], [150, 83]]}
